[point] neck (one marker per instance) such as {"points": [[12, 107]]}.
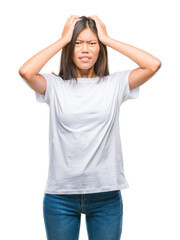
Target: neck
{"points": [[85, 73]]}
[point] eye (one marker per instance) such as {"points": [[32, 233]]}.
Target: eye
{"points": [[77, 43], [92, 43]]}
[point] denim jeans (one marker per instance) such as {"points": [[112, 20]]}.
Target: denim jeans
{"points": [[103, 210]]}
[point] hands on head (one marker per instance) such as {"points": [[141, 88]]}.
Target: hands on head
{"points": [[73, 19], [69, 27], [101, 28]]}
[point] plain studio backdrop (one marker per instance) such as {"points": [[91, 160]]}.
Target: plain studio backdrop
{"points": [[149, 125]]}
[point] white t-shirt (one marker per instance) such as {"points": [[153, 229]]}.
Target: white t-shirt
{"points": [[85, 154]]}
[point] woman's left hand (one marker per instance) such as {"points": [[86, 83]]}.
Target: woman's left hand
{"points": [[101, 28]]}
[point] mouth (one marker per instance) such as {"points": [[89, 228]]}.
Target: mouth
{"points": [[85, 59]]}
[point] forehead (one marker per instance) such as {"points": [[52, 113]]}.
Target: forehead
{"points": [[86, 34]]}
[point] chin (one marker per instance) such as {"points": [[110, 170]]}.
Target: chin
{"points": [[83, 67]]}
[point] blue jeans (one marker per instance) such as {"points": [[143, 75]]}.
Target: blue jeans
{"points": [[103, 210]]}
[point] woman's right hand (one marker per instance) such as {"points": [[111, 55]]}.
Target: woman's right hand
{"points": [[69, 27]]}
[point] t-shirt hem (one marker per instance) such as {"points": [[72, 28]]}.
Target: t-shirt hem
{"points": [[84, 191]]}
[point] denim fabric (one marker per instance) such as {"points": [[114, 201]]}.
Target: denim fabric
{"points": [[103, 210]]}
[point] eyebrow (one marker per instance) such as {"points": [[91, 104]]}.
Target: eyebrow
{"points": [[87, 41]]}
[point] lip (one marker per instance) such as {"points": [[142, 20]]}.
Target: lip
{"points": [[85, 59], [85, 56]]}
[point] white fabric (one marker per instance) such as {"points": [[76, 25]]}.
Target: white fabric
{"points": [[85, 154]]}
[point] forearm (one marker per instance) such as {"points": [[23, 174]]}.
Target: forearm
{"points": [[36, 62], [142, 58]]}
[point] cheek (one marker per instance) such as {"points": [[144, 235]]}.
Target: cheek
{"points": [[74, 55], [96, 52]]}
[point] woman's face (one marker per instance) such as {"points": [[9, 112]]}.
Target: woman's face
{"points": [[86, 50]]}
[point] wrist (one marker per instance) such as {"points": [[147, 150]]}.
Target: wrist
{"points": [[63, 41], [106, 40]]}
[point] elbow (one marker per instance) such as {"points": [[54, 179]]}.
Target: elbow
{"points": [[21, 72], [24, 74], [157, 66]]}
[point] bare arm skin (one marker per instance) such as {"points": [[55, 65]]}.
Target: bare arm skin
{"points": [[31, 68], [148, 64]]}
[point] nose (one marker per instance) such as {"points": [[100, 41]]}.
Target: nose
{"points": [[84, 48]]}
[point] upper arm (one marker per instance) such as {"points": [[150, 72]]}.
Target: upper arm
{"points": [[139, 76], [37, 83]]}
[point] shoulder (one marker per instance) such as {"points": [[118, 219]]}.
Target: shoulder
{"points": [[53, 77], [119, 75]]}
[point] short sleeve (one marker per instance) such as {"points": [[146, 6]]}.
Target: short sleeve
{"points": [[125, 90], [49, 82]]}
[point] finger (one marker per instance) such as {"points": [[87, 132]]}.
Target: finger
{"points": [[96, 19], [93, 18], [74, 18]]}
